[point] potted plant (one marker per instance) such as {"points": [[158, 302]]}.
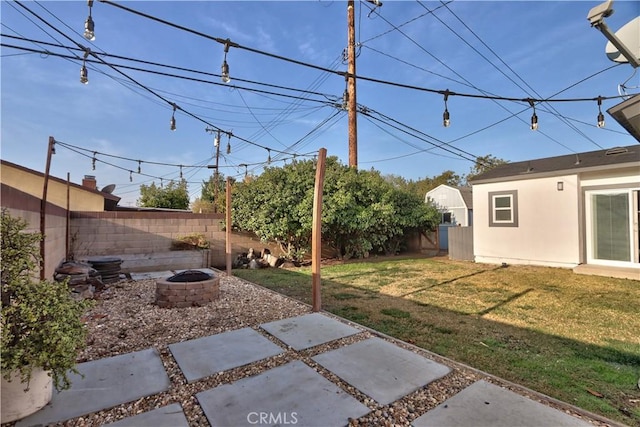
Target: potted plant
{"points": [[42, 330]]}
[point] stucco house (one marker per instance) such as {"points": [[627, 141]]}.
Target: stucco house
{"points": [[578, 210], [20, 183]]}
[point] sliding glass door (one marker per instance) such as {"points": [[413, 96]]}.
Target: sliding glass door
{"points": [[611, 226]]}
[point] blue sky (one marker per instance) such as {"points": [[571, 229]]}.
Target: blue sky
{"points": [[508, 49]]}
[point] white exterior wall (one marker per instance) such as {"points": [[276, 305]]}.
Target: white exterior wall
{"points": [[548, 231], [449, 199]]}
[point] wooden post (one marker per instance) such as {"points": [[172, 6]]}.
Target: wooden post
{"points": [[43, 206], [316, 232], [68, 224], [228, 246]]}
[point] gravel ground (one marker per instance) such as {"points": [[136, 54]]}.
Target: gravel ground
{"points": [[126, 319]]}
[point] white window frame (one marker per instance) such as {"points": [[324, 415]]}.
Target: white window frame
{"points": [[512, 195], [589, 227]]}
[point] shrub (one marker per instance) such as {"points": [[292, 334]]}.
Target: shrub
{"points": [[41, 321]]}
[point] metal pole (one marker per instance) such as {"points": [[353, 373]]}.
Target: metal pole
{"points": [[43, 206], [316, 232], [351, 85]]}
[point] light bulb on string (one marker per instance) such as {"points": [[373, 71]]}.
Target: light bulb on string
{"points": [[216, 140], [600, 115], [173, 118], [180, 171], [139, 166], [534, 116], [84, 74], [93, 161], [268, 156], [89, 26], [161, 183], [446, 122], [225, 67], [130, 176]]}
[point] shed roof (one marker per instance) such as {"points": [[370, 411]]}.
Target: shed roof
{"points": [[611, 158]]}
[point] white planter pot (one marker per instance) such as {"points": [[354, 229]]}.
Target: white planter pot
{"points": [[16, 403]]}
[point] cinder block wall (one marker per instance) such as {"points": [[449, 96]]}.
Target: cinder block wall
{"points": [[144, 233]]}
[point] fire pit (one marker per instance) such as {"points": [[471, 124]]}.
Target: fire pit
{"points": [[186, 289]]}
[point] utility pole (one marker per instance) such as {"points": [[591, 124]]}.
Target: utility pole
{"points": [[216, 143], [351, 85], [352, 104]]}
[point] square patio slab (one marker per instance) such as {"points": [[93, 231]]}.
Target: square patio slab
{"points": [[292, 394], [202, 357], [106, 383], [380, 369], [309, 330], [483, 404], [167, 416]]}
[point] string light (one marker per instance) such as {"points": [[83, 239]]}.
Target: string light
{"points": [[93, 161], [130, 176], [84, 74], [139, 164], [161, 183], [245, 169], [89, 26], [173, 118], [229, 144], [180, 171], [216, 139], [600, 115], [446, 122], [269, 156], [534, 116], [225, 66]]}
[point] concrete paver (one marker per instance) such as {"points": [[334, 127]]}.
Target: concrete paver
{"points": [[167, 416], [380, 369], [483, 404], [102, 384], [292, 394], [309, 330], [202, 357]]}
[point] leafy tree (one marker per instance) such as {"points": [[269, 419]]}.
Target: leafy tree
{"points": [[482, 165], [209, 189], [201, 206], [420, 187], [172, 196], [277, 206], [362, 211]]}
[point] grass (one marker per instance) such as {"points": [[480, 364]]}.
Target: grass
{"points": [[569, 336]]}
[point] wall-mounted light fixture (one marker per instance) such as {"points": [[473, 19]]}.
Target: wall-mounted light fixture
{"points": [[560, 185]]}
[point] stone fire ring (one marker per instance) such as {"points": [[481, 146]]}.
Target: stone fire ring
{"points": [[187, 289]]}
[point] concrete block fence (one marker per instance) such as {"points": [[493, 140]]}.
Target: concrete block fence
{"points": [[143, 239]]}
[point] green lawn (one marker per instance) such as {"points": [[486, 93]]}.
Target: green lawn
{"points": [[569, 336]]}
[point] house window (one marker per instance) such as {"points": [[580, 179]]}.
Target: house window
{"points": [[503, 209], [446, 218]]}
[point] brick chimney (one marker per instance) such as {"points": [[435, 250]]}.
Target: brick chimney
{"points": [[89, 181]]}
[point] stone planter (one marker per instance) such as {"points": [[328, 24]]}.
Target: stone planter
{"points": [[18, 403]]}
